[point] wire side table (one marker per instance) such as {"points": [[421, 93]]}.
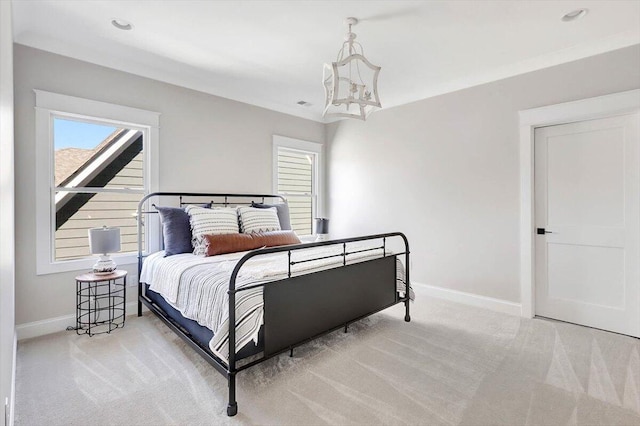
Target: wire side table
{"points": [[100, 302]]}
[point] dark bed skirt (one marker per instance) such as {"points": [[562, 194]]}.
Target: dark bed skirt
{"points": [[201, 334]]}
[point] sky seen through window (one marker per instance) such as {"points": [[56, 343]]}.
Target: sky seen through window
{"points": [[77, 134]]}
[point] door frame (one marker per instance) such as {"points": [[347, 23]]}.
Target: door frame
{"points": [[586, 109]]}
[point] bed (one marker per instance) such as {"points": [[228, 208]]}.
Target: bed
{"points": [[241, 308]]}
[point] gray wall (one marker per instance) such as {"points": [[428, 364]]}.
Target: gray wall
{"points": [[7, 258], [445, 171], [207, 143]]}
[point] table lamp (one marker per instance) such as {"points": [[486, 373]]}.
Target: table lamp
{"points": [[103, 241]]}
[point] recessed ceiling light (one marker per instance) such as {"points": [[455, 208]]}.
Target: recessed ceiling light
{"points": [[576, 14], [121, 24]]}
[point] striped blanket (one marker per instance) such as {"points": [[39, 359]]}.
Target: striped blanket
{"points": [[197, 286]]}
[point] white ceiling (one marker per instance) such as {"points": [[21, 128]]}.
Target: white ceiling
{"points": [[270, 53]]}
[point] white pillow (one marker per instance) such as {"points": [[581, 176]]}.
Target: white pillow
{"points": [[210, 221], [254, 220]]}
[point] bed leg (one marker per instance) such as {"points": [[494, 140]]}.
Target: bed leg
{"points": [[139, 295], [407, 317], [346, 328], [232, 407]]}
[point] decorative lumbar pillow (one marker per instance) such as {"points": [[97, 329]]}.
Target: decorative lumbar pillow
{"points": [[283, 213], [210, 221], [232, 243], [258, 220], [176, 230]]}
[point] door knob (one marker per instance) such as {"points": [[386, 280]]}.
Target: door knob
{"points": [[542, 231]]}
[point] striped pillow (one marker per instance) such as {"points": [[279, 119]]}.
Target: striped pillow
{"points": [[210, 221], [254, 220]]}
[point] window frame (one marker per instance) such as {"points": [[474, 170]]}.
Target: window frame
{"points": [[306, 147], [50, 106]]}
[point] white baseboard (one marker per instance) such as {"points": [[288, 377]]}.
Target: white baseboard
{"points": [[54, 325], [42, 327], [498, 305]]}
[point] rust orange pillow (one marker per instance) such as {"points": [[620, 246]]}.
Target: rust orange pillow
{"points": [[232, 243]]}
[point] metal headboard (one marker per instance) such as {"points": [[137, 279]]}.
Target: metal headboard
{"points": [[146, 207]]}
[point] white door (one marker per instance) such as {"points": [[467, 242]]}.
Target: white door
{"points": [[587, 201]]}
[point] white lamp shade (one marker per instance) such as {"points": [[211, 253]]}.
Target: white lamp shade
{"points": [[104, 240]]}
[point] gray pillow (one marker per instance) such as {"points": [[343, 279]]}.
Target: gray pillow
{"points": [[176, 230], [283, 213]]}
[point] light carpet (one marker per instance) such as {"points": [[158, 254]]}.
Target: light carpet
{"points": [[452, 365]]}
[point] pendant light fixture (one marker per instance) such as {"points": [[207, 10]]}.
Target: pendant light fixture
{"points": [[351, 83]]}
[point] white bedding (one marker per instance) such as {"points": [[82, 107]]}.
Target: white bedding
{"points": [[197, 286]]}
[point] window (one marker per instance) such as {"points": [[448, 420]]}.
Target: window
{"points": [[92, 157], [94, 164], [297, 176]]}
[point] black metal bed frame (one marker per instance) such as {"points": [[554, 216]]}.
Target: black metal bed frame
{"points": [[320, 302]]}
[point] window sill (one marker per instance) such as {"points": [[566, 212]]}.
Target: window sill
{"points": [[307, 238], [46, 268]]}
